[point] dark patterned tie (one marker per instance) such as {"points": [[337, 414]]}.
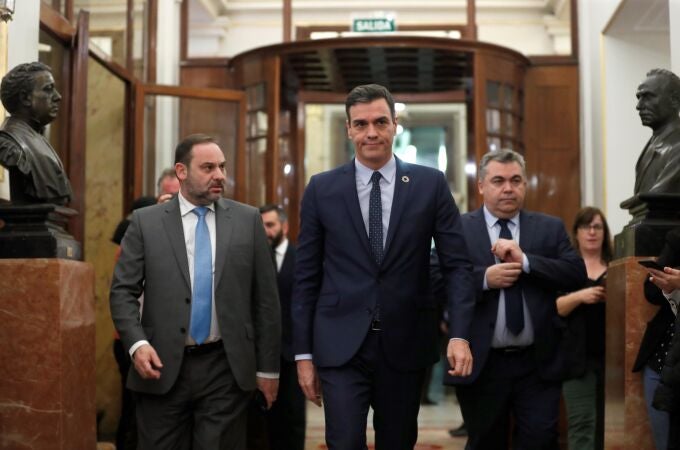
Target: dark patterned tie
{"points": [[375, 227], [514, 308]]}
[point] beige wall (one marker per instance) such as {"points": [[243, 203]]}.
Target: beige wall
{"points": [[103, 211]]}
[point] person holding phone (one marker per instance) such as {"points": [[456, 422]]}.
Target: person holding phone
{"points": [[661, 288], [584, 310]]}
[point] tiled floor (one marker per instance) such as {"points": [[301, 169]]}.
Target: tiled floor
{"points": [[434, 422]]}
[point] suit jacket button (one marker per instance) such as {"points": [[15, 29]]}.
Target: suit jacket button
{"points": [[183, 330], [187, 300]]}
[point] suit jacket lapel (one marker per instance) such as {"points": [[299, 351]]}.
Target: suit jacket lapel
{"points": [[483, 241], [223, 231], [349, 190], [172, 222], [401, 193], [526, 231]]}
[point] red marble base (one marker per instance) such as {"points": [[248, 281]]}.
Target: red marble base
{"points": [[626, 422], [47, 355]]}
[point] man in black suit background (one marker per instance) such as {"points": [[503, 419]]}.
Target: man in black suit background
{"points": [[521, 259], [287, 418]]}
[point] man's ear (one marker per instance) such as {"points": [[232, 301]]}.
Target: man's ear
{"points": [[25, 98], [182, 171]]}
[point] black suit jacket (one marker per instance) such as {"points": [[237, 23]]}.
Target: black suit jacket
{"points": [[656, 328], [554, 266], [285, 279]]}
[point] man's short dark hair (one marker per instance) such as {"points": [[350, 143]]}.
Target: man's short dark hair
{"points": [[672, 83], [503, 156], [367, 93], [18, 80], [272, 207], [183, 150]]}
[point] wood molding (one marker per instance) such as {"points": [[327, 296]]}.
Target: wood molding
{"points": [[287, 20], [184, 31], [195, 92], [56, 24], [113, 67], [304, 33], [152, 39], [574, 29], [130, 36], [553, 60], [78, 124], [204, 62]]}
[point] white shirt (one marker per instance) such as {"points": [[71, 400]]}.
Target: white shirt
{"points": [[363, 176], [280, 253], [673, 299], [189, 221], [502, 337]]}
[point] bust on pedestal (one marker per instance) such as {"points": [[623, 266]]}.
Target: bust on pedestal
{"points": [[655, 205], [32, 225]]}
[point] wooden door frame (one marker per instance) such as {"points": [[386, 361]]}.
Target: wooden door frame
{"points": [[230, 95]]}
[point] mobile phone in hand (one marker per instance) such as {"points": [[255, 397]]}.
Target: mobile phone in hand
{"points": [[651, 264]]}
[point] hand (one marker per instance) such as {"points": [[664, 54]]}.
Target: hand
{"points": [[270, 388], [309, 381], [147, 362], [592, 295], [164, 198], [668, 280], [460, 358], [507, 250], [503, 275]]}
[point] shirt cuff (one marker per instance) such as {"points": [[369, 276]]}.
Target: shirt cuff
{"points": [[303, 357], [460, 339], [485, 285], [525, 264], [673, 300], [136, 345], [268, 375]]}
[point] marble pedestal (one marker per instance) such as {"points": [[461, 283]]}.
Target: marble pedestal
{"points": [[47, 354], [626, 423]]}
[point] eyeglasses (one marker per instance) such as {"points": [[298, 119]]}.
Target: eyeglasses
{"points": [[594, 227]]}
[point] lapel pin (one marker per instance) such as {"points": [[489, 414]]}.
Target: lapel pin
{"points": [[405, 179]]}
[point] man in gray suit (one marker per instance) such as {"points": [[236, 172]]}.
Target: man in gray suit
{"points": [[209, 332]]}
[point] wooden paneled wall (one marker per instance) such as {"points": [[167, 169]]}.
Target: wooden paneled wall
{"points": [[206, 73], [551, 139]]}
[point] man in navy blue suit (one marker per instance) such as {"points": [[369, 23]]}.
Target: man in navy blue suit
{"points": [[365, 323], [521, 260]]}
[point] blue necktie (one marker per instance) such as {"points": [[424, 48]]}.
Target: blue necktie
{"points": [[201, 306], [375, 226], [514, 307]]}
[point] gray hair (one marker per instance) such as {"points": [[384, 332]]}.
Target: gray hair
{"points": [[503, 156]]}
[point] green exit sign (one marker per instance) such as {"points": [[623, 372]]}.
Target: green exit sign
{"points": [[373, 25]]}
